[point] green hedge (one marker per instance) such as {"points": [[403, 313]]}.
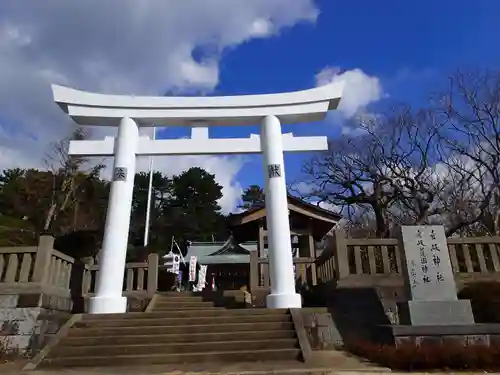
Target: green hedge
{"points": [[16, 232], [429, 357]]}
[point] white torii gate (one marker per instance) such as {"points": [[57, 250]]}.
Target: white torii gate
{"points": [[128, 113]]}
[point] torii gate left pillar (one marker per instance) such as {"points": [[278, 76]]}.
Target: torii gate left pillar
{"points": [[128, 113], [109, 283]]}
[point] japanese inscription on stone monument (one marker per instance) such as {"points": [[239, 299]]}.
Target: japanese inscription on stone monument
{"points": [[428, 267]]}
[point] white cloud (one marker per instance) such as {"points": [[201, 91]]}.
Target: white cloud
{"points": [[13, 157], [142, 47], [304, 189], [329, 206], [360, 89]]}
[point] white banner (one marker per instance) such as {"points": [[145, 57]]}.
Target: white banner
{"points": [[202, 278], [192, 268], [172, 261], [176, 263]]}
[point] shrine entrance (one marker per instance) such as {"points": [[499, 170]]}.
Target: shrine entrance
{"points": [[228, 276], [129, 113]]}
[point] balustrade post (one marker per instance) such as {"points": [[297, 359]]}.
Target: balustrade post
{"points": [[312, 255], [341, 255], [41, 268], [254, 271], [153, 263]]}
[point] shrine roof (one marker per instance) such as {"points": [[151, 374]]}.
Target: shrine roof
{"points": [[304, 217], [221, 252], [295, 204]]}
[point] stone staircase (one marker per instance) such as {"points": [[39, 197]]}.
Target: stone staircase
{"points": [[181, 328]]}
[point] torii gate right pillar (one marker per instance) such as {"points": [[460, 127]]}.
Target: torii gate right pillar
{"points": [[283, 293]]}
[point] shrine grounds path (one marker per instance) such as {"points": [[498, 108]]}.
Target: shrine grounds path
{"points": [[346, 367], [335, 363]]}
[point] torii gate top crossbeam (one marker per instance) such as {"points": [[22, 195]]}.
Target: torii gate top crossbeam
{"points": [[107, 110]]}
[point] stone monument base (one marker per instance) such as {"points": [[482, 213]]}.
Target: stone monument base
{"points": [[432, 313]]}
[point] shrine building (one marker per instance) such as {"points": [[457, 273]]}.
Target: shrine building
{"points": [[229, 262]]}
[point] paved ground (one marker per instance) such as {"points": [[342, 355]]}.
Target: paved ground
{"points": [[330, 363], [349, 366]]}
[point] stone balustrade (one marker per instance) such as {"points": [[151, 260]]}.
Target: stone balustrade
{"points": [[140, 277], [57, 279], [305, 276], [368, 262], [40, 287]]}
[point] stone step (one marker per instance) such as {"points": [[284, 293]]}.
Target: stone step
{"points": [[156, 359], [177, 338], [185, 313], [183, 308], [158, 330], [184, 321], [171, 348], [180, 299], [168, 305], [177, 294]]}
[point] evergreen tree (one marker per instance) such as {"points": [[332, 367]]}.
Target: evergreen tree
{"points": [[253, 196]]}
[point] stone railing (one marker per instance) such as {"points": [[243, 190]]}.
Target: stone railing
{"points": [[57, 279], [305, 271], [366, 262], [40, 287], [16, 264], [60, 268], [139, 277], [31, 269]]}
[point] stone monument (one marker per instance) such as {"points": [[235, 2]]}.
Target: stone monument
{"points": [[429, 280]]}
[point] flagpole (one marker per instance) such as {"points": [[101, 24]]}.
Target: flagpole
{"points": [[150, 190]]}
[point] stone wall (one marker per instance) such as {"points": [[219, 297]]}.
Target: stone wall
{"points": [[28, 321], [372, 314], [259, 296], [357, 312], [320, 328]]}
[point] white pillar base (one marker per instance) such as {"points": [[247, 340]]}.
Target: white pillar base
{"points": [[284, 301], [107, 305]]}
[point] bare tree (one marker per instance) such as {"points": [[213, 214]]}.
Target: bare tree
{"points": [[437, 165], [408, 142], [69, 175], [469, 113], [360, 223], [386, 173], [351, 175]]}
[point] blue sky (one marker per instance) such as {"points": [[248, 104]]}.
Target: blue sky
{"points": [[409, 46], [386, 50]]}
